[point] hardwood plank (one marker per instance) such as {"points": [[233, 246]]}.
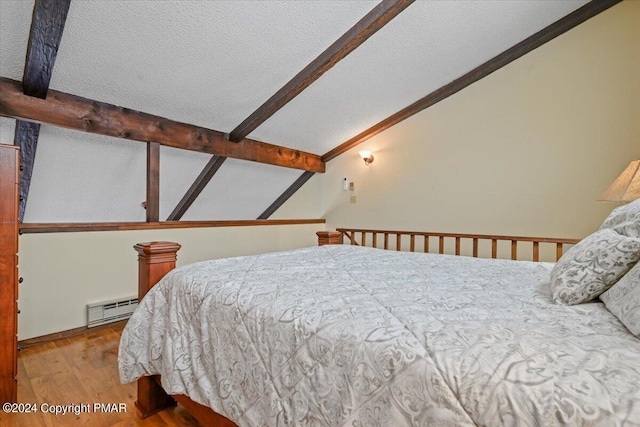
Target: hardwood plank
{"points": [[56, 388], [25, 390], [103, 386], [25, 394], [67, 334], [118, 226], [96, 349], [91, 375], [550, 32], [286, 195], [47, 26], [49, 361], [82, 114], [196, 188], [377, 18], [153, 182], [65, 389]]}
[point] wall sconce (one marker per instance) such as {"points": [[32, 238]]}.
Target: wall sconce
{"points": [[367, 156]]}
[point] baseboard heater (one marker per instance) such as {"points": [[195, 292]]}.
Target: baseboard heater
{"points": [[105, 312]]}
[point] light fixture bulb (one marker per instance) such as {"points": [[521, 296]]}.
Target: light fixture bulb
{"points": [[367, 156]]}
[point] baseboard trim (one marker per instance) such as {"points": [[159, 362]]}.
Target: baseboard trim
{"points": [[68, 334]]}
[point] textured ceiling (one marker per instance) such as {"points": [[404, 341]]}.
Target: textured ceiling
{"points": [[427, 46], [211, 63]]}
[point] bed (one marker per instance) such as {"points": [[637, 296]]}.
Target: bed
{"points": [[354, 335]]}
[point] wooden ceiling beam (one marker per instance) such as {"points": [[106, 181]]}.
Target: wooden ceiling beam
{"points": [[548, 33], [196, 188], [47, 26], [379, 16], [82, 114], [286, 195], [152, 204], [26, 137]]}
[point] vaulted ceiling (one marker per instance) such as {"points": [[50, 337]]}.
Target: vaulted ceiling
{"points": [[213, 63]]}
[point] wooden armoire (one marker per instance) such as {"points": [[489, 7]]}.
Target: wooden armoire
{"points": [[9, 199]]}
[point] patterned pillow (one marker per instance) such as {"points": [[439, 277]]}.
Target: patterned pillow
{"points": [[623, 300], [593, 266], [624, 220]]}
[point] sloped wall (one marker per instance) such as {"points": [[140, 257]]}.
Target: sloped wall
{"points": [[526, 150], [63, 272]]}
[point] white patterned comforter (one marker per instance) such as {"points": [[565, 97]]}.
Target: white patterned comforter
{"points": [[343, 335]]}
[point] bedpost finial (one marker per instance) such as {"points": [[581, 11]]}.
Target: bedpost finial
{"points": [[329, 238], [152, 248]]}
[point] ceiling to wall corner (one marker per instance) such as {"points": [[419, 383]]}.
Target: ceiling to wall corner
{"points": [[212, 63]]}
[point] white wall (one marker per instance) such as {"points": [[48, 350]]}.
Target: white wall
{"points": [[63, 272], [526, 150]]}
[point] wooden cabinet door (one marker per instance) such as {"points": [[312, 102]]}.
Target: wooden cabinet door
{"points": [[9, 181]]}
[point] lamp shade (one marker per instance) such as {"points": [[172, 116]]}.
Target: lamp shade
{"points": [[626, 187]]}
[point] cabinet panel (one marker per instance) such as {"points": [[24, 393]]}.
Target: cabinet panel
{"points": [[17, 278], [15, 359], [9, 175]]}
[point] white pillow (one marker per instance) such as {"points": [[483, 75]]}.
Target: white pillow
{"points": [[592, 266], [624, 219], [623, 300]]}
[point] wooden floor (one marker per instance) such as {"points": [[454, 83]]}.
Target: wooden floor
{"points": [[81, 370]]}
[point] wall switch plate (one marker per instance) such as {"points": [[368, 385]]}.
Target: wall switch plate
{"points": [[352, 199], [352, 186]]}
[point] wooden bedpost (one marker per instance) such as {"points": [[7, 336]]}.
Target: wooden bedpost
{"points": [[155, 259], [329, 238]]}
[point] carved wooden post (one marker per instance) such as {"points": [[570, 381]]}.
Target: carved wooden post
{"points": [[329, 238], [155, 259]]}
